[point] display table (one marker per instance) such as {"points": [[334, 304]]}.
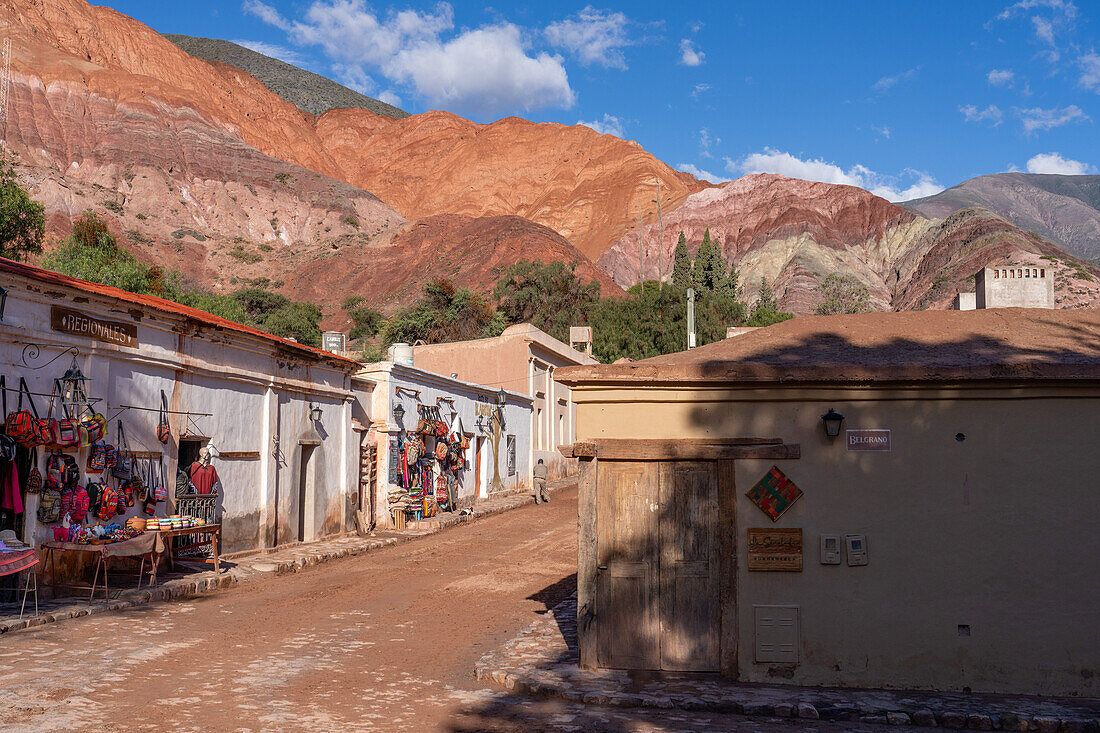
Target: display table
{"points": [[16, 562], [213, 530], [145, 546]]}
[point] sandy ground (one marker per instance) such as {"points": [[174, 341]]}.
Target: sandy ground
{"points": [[380, 642]]}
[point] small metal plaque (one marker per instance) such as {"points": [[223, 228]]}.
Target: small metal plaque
{"points": [[869, 440]]}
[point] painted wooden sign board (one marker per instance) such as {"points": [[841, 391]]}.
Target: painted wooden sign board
{"points": [[868, 440], [109, 332], [773, 549]]}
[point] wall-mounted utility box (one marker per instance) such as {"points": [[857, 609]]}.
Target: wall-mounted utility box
{"points": [[830, 549], [777, 637], [855, 546]]}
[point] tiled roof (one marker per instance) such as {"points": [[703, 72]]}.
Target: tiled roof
{"points": [[919, 346], [167, 306]]}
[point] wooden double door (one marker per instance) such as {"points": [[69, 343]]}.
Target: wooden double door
{"points": [[658, 577]]}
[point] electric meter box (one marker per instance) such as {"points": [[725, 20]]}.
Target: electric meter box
{"points": [[830, 549], [855, 546]]}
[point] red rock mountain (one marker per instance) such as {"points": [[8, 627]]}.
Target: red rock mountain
{"points": [[190, 161], [794, 232]]}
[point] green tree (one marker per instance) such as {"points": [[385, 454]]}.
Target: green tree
{"points": [[259, 303], [765, 311], [730, 286], [22, 220], [91, 253], [681, 264], [549, 296], [842, 294], [710, 270], [444, 313], [295, 320]]}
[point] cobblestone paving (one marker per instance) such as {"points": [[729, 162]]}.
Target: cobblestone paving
{"points": [[240, 570], [542, 661]]}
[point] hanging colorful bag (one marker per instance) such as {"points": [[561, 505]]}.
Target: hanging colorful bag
{"points": [[97, 458], [34, 478], [123, 467], [164, 432], [92, 428], [80, 502], [45, 429], [440, 449], [55, 471], [49, 506], [160, 494], [21, 423], [110, 455]]}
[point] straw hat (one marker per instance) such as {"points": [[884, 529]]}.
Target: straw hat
{"points": [[9, 538]]}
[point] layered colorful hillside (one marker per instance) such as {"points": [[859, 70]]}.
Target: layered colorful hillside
{"points": [[795, 232]]}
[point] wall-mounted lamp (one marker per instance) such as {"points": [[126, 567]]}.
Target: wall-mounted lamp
{"points": [[480, 423], [314, 412], [832, 420], [502, 397], [3, 301], [398, 412]]}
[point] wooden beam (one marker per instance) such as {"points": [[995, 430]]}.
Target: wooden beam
{"points": [[231, 455], [727, 569], [586, 563], [687, 450]]}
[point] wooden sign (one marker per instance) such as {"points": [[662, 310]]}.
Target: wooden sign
{"points": [[772, 549], [110, 332], [868, 440]]}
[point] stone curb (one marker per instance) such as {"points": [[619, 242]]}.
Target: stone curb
{"points": [[563, 679], [250, 567]]}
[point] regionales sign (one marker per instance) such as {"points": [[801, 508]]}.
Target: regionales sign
{"points": [[775, 549], [81, 324], [869, 440]]}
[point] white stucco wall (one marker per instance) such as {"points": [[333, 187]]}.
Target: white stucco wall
{"points": [[468, 401], [253, 389]]}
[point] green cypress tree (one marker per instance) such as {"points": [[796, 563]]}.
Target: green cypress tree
{"points": [[731, 285], [710, 266], [681, 264]]}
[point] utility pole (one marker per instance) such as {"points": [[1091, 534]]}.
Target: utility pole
{"points": [[641, 256], [691, 318], [660, 237]]}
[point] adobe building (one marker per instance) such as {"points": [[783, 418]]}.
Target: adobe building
{"points": [[1014, 286], [523, 359], [903, 500]]}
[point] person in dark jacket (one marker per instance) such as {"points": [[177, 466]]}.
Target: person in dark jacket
{"points": [[541, 494]]}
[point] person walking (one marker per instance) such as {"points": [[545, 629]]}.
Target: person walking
{"points": [[541, 494]]}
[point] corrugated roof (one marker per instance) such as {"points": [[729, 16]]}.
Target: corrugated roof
{"points": [[166, 306], [922, 346]]}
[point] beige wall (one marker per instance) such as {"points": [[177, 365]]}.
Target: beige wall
{"points": [[998, 532]]}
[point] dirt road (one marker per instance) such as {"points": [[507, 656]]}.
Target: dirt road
{"points": [[380, 642]]}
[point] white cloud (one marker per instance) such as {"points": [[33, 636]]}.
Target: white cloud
{"points": [[888, 82], [705, 141], [609, 125], [1037, 118], [991, 114], [390, 98], [273, 50], [700, 173], [883, 132], [1000, 77], [1090, 77], [594, 36], [1060, 18], [689, 55], [888, 187], [699, 90], [1044, 29], [483, 72], [1055, 163]]}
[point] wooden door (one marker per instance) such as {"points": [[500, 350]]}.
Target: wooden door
{"points": [[690, 621], [627, 565]]}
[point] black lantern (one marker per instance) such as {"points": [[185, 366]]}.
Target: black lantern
{"points": [[832, 420], [3, 301], [72, 384], [398, 412], [502, 397], [314, 412]]}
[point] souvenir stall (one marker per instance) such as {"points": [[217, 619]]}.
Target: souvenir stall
{"points": [[432, 459], [97, 497]]}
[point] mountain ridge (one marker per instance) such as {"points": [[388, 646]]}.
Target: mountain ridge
{"points": [[304, 89]]}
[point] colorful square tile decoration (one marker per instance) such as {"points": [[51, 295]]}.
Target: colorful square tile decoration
{"points": [[774, 493]]}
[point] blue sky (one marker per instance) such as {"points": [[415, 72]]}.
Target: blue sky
{"points": [[902, 98]]}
